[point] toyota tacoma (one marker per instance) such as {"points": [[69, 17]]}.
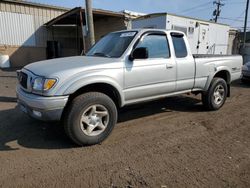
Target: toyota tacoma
{"points": [[122, 68]]}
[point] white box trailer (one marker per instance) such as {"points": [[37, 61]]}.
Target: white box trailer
{"points": [[205, 37]]}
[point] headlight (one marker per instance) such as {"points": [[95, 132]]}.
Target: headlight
{"points": [[38, 84], [43, 84], [244, 68]]}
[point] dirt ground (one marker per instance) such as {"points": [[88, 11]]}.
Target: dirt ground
{"points": [[168, 143]]}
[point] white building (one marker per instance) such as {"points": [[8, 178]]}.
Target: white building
{"points": [[204, 37]]}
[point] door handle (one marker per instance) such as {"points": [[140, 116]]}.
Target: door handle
{"points": [[169, 66]]}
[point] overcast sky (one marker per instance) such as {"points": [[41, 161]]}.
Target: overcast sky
{"points": [[233, 11]]}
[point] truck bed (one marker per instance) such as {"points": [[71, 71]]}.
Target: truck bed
{"points": [[211, 55], [206, 64]]}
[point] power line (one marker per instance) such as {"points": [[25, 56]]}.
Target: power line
{"points": [[235, 2], [196, 7], [240, 27], [202, 9], [238, 17], [229, 1], [231, 19]]}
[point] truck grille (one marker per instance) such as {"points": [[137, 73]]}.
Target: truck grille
{"points": [[23, 78]]}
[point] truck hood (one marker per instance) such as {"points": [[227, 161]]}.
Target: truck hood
{"points": [[74, 65]]}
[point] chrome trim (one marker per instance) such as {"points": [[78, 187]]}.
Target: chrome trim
{"points": [[29, 80]]}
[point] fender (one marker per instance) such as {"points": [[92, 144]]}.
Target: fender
{"points": [[82, 82], [217, 70]]}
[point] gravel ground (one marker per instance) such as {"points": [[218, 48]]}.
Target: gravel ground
{"points": [[168, 143]]}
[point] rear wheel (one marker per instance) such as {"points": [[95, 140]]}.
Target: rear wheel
{"points": [[216, 95], [90, 118]]}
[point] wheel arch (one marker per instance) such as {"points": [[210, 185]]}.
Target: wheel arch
{"points": [[225, 74], [101, 87]]}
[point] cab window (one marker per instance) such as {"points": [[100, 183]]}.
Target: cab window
{"points": [[156, 44], [179, 46]]}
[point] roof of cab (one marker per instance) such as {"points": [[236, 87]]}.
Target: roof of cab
{"points": [[148, 30]]}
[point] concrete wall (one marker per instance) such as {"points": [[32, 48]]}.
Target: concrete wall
{"points": [[20, 56], [107, 25]]}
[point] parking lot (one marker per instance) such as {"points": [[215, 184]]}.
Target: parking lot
{"points": [[173, 142]]}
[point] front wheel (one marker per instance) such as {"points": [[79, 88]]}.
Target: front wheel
{"points": [[90, 118], [215, 97]]}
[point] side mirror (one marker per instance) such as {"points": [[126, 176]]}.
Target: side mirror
{"points": [[139, 53]]}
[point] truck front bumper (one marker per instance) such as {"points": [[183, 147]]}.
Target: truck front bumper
{"points": [[40, 107]]}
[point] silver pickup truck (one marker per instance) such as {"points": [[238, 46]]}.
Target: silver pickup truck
{"points": [[123, 68]]}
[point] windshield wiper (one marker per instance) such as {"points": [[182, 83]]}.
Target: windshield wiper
{"points": [[101, 54]]}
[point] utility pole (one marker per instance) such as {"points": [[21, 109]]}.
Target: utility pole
{"points": [[90, 22], [245, 25], [217, 11]]}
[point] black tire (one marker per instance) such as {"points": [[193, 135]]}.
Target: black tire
{"points": [[72, 118], [208, 98]]}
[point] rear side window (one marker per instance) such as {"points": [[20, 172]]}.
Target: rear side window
{"points": [[157, 46], [179, 46]]}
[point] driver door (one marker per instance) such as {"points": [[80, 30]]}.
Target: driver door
{"points": [[151, 77]]}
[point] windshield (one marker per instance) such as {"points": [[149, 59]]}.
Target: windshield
{"points": [[112, 45]]}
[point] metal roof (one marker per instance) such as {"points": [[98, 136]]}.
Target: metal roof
{"points": [[165, 14], [70, 17], [22, 2]]}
